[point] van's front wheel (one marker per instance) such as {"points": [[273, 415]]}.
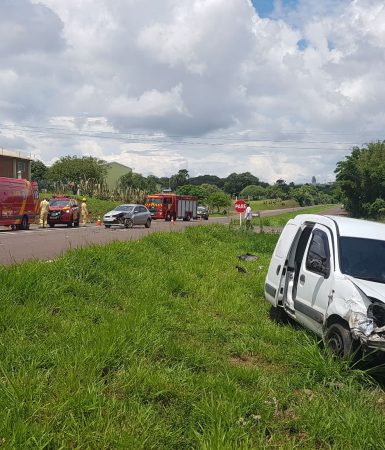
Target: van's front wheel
{"points": [[339, 340], [278, 314]]}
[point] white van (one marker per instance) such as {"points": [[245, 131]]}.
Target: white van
{"points": [[328, 273]]}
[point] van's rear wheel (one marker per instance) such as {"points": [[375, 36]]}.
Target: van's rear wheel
{"points": [[339, 340]]}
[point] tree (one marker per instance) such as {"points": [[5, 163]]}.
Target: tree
{"points": [[236, 182], [179, 179], [375, 209], [202, 192], [253, 191], [277, 191], [210, 189], [190, 189], [153, 184], [134, 180], [219, 200], [207, 179], [164, 182], [72, 169], [361, 179], [38, 171], [304, 195]]}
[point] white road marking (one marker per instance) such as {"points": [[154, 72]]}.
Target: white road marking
{"points": [[5, 233]]}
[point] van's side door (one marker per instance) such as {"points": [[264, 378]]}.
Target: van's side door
{"points": [[277, 273], [315, 279]]}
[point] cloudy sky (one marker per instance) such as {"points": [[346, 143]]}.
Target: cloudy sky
{"points": [[282, 88]]}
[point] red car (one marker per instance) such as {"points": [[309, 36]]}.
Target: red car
{"points": [[63, 210]]}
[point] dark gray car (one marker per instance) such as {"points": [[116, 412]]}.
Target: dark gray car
{"points": [[203, 212], [128, 216]]}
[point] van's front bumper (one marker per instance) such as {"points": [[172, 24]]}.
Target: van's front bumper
{"points": [[367, 332]]}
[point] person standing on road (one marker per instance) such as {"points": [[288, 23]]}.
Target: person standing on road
{"points": [[248, 216], [84, 211], [44, 207]]}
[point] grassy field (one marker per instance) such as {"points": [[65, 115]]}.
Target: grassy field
{"points": [[281, 219], [265, 205], [163, 344]]}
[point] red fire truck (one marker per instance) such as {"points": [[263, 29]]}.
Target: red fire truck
{"points": [[172, 206], [19, 202]]}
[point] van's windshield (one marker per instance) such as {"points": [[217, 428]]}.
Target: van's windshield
{"points": [[363, 258]]}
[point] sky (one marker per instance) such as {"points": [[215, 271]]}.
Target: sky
{"points": [[283, 89]]}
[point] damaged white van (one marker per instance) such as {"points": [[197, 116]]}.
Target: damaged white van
{"points": [[328, 274]]}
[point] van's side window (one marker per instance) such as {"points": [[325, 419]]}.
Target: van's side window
{"points": [[318, 257]]}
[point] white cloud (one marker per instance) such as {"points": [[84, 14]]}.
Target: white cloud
{"points": [[101, 77], [150, 103]]}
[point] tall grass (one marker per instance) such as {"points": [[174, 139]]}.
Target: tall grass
{"points": [[100, 198], [163, 343]]}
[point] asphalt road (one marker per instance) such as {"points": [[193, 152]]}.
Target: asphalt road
{"points": [[49, 243]]}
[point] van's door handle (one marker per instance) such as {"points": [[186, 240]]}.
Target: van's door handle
{"points": [[278, 269], [302, 279]]}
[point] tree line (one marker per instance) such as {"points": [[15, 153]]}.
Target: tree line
{"points": [[218, 193]]}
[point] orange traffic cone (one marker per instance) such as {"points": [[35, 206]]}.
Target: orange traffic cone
{"points": [[98, 222], [172, 220]]}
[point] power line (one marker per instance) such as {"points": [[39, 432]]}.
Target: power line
{"points": [[187, 140], [282, 131]]}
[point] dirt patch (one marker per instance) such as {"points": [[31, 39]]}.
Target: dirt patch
{"points": [[242, 360]]}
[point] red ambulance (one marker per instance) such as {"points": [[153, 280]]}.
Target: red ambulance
{"points": [[19, 202]]}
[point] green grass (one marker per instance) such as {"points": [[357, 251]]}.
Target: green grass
{"points": [[98, 208], [281, 219], [162, 343], [265, 205]]}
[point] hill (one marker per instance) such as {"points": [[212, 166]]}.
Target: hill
{"points": [[114, 172]]}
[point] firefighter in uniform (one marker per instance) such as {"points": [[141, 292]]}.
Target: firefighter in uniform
{"points": [[84, 211], [44, 207]]}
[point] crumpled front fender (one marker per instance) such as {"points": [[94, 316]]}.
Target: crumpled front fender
{"points": [[351, 304]]}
